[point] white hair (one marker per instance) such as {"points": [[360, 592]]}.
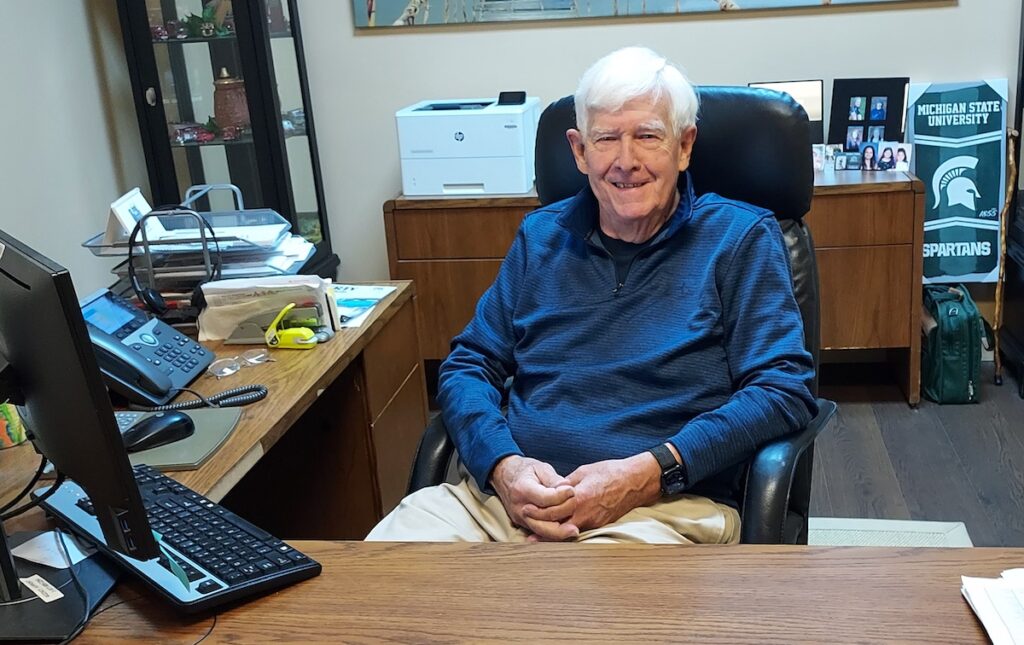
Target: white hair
{"points": [[632, 73]]}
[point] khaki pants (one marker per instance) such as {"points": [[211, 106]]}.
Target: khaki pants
{"points": [[462, 513]]}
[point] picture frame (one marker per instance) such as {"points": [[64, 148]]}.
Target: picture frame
{"points": [[129, 208], [855, 101], [887, 156], [904, 157], [869, 156], [404, 15], [854, 137], [832, 152], [818, 156]]}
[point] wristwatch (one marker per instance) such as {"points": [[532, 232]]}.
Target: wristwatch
{"points": [[673, 473]]}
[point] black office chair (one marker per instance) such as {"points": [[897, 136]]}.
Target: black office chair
{"points": [[752, 145]]}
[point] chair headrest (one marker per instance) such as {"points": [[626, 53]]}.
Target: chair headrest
{"points": [[752, 145]]}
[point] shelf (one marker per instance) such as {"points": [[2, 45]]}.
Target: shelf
{"points": [[185, 41], [245, 139]]}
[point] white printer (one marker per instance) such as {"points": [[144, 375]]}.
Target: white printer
{"points": [[467, 146]]}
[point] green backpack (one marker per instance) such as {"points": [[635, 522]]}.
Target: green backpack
{"points": [[951, 353]]}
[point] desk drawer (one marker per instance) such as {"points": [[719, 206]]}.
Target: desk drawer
{"points": [[862, 219], [865, 296], [395, 436], [389, 357], [456, 232]]}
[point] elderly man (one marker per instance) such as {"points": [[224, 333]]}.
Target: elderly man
{"points": [[653, 338]]}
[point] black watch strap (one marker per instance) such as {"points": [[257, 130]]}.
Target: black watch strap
{"points": [[673, 474]]}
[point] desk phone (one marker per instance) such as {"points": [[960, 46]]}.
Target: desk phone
{"points": [[142, 358]]}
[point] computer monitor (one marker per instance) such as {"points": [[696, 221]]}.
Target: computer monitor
{"points": [[48, 369]]}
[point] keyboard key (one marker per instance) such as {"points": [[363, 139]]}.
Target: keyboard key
{"points": [[281, 560], [266, 565], [209, 586], [249, 570]]}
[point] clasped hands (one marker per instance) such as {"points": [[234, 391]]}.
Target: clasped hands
{"points": [[555, 508]]}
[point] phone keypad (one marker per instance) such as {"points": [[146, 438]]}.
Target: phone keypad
{"points": [[180, 353]]}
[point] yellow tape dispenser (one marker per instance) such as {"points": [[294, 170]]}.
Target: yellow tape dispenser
{"points": [[292, 338]]}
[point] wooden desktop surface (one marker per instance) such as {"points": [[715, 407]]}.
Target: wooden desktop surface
{"points": [[294, 380], [372, 592]]}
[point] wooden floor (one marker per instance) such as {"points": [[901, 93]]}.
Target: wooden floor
{"points": [[883, 459]]}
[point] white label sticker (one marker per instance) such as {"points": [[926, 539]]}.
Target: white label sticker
{"points": [[42, 588]]}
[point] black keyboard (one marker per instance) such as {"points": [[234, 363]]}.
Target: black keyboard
{"points": [[224, 557]]}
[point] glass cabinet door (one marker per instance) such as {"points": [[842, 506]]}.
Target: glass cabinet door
{"points": [[296, 123], [222, 98]]}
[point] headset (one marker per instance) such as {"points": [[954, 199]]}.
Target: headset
{"points": [[149, 296]]}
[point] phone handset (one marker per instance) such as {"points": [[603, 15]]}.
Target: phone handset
{"points": [[119, 361]]}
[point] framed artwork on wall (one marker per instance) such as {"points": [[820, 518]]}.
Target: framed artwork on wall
{"points": [[413, 13], [867, 110]]}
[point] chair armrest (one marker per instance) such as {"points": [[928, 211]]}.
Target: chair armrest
{"points": [[766, 500], [430, 466]]}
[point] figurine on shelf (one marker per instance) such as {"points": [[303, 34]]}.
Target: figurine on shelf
{"points": [[189, 132], [212, 21], [176, 29], [158, 32], [231, 133], [230, 107], [222, 16]]}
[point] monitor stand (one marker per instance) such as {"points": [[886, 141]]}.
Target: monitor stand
{"points": [[24, 617]]}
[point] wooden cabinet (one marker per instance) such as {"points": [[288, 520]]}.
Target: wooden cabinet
{"points": [[867, 228], [452, 249]]}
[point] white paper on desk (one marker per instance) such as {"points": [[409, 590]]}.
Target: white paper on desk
{"points": [[999, 604], [43, 549], [355, 302]]}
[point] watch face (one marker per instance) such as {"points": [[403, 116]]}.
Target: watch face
{"points": [[672, 481]]}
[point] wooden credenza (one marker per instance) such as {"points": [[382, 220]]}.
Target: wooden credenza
{"points": [[867, 227]]}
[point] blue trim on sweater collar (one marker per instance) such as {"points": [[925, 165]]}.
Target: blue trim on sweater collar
{"points": [[580, 213]]}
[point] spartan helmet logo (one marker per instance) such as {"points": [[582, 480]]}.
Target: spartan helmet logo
{"points": [[959, 189]]}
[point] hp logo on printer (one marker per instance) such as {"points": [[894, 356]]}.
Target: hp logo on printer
{"points": [[459, 136]]}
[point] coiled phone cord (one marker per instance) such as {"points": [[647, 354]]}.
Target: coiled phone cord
{"points": [[232, 398]]}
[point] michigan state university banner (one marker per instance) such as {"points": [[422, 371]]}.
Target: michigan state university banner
{"points": [[959, 136]]}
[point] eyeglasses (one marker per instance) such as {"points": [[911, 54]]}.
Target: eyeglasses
{"points": [[227, 366]]}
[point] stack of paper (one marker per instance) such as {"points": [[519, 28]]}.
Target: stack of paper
{"points": [[232, 302], [251, 243], [999, 604]]}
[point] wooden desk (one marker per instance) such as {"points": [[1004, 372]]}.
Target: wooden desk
{"points": [[609, 593], [338, 431], [868, 228]]}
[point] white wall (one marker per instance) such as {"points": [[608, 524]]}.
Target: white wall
{"points": [[69, 140], [359, 78]]}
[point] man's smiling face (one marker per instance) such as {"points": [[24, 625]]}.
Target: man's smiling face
{"points": [[633, 159]]}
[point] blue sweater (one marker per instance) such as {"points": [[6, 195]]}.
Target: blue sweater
{"points": [[702, 345]]}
